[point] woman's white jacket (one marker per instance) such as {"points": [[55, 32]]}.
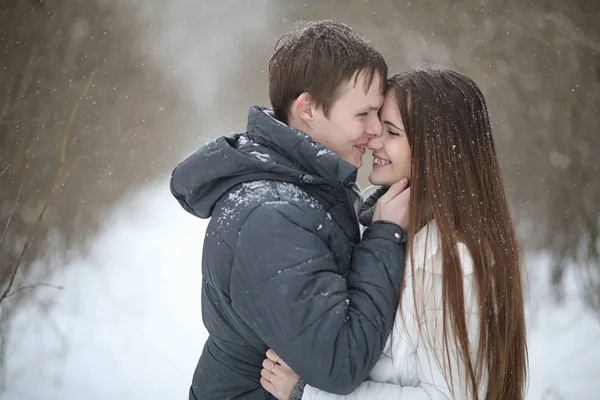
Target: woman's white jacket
{"points": [[408, 368]]}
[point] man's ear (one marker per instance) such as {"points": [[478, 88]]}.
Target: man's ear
{"points": [[305, 107]]}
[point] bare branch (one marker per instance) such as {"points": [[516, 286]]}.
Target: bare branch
{"points": [[13, 209], [57, 183], [22, 288], [4, 171], [15, 270]]}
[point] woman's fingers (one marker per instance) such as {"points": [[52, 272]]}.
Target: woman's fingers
{"points": [[393, 191], [271, 355], [269, 364], [267, 374], [276, 377]]}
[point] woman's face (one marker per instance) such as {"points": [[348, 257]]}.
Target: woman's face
{"points": [[391, 151]]}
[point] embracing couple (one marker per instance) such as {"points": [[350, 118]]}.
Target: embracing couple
{"points": [[309, 290]]}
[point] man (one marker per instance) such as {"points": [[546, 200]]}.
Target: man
{"points": [[283, 265]]}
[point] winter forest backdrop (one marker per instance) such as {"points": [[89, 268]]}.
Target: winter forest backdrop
{"points": [[100, 268]]}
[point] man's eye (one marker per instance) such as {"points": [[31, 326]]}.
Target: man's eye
{"points": [[364, 114]]}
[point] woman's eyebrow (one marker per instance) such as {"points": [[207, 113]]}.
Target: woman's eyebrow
{"points": [[389, 123]]}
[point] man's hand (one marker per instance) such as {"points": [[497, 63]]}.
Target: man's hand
{"points": [[277, 377], [393, 205]]}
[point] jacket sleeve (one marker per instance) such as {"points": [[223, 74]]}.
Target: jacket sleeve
{"points": [[366, 390], [286, 286], [424, 369]]}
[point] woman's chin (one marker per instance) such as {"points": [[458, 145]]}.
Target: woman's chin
{"points": [[374, 179]]}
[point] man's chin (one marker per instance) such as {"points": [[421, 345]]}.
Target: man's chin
{"points": [[357, 163]]}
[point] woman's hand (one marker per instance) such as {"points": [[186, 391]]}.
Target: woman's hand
{"points": [[277, 377], [393, 206]]}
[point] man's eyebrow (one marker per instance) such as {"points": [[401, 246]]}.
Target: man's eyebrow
{"points": [[389, 123], [373, 108]]}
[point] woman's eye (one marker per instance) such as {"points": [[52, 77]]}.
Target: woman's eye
{"points": [[393, 133]]}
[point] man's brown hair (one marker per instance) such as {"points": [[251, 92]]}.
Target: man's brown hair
{"points": [[316, 58]]}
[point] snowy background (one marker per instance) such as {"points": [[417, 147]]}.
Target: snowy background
{"points": [[139, 84]]}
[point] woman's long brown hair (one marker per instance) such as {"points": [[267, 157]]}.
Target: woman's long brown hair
{"points": [[456, 181]]}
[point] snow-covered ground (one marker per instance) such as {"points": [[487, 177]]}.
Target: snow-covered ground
{"points": [[564, 340], [127, 324]]}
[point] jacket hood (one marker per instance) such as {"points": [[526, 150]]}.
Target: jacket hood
{"points": [[269, 150]]}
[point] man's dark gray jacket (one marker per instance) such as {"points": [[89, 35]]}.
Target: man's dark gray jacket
{"points": [[283, 265]]}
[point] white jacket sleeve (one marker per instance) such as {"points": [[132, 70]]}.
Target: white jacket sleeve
{"points": [[424, 372], [366, 390]]}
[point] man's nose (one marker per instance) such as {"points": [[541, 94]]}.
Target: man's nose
{"points": [[375, 143]]}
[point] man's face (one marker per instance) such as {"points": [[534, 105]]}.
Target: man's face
{"points": [[352, 120]]}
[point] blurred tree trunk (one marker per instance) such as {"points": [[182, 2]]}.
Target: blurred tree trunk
{"points": [[85, 117]]}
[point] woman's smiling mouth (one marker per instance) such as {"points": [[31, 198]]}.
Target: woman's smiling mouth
{"points": [[380, 161]]}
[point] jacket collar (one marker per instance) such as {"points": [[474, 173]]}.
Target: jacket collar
{"points": [[299, 148]]}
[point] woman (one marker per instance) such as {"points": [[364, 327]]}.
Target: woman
{"points": [[460, 328]]}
